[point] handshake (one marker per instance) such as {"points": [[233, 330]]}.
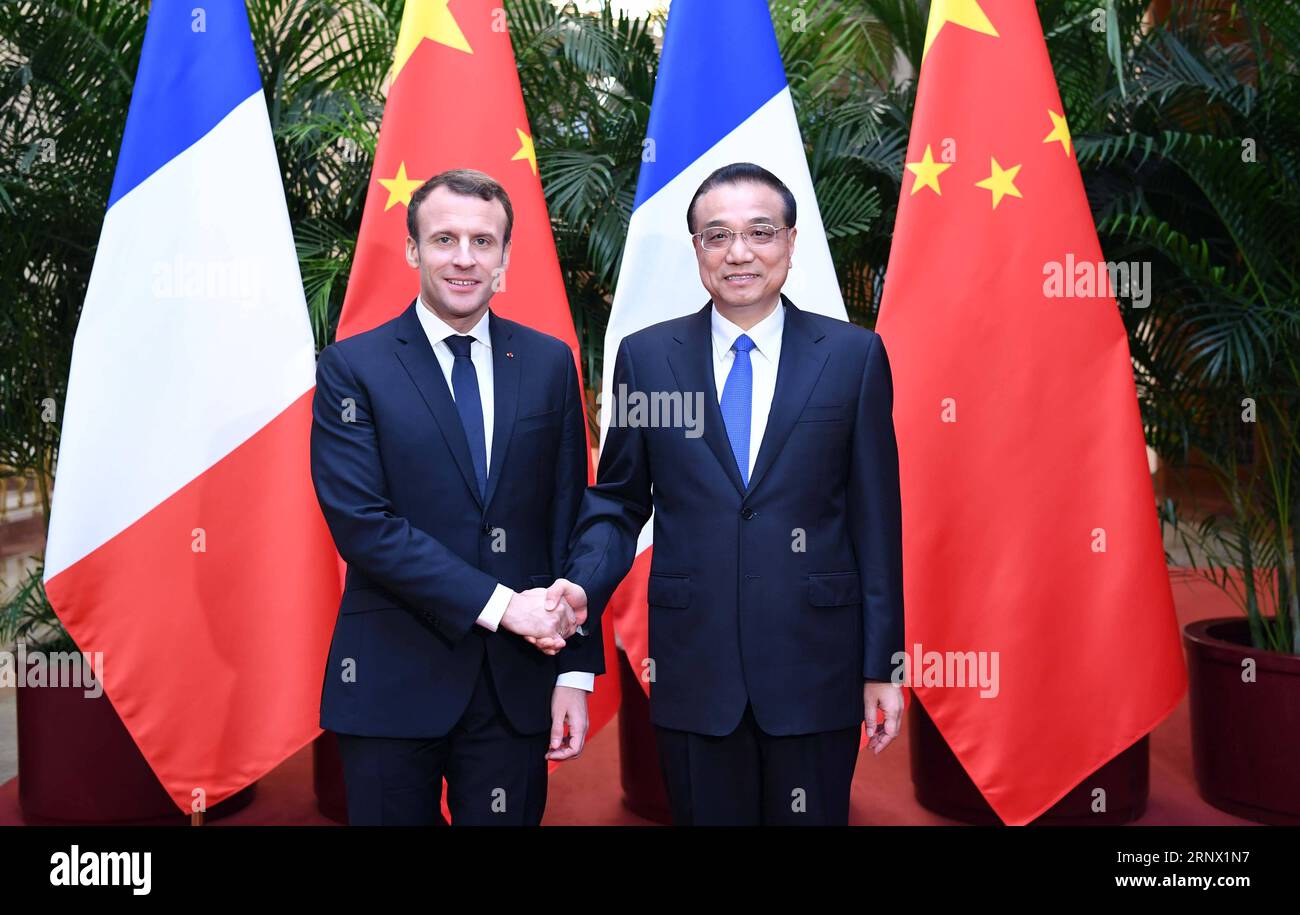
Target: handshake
{"points": [[545, 617]]}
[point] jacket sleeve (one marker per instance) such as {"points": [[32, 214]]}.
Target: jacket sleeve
{"points": [[580, 653], [348, 476], [876, 515], [615, 509]]}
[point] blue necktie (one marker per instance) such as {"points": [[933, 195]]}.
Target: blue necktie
{"points": [[464, 384], [737, 398]]}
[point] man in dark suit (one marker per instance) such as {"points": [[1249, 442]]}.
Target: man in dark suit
{"points": [[448, 453], [775, 588]]}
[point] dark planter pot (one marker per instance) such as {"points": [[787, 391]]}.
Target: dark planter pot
{"points": [[638, 754], [327, 778], [943, 787], [77, 763], [1245, 736]]}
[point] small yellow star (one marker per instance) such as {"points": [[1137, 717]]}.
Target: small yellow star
{"points": [[927, 172], [399, 188], [429, 19], [1060, 131], [526, 150], [965, 13], [1000, 182]]}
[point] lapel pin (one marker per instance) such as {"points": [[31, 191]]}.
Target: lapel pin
{"points": [[510, 355]]}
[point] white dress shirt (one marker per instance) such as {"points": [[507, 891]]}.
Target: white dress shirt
{"points": [[480, 353], [763, 359]]}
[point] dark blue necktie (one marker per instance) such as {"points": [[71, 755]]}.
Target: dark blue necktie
{"points": [[736, 403], [464, 385]]}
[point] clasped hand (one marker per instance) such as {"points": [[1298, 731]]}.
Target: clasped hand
{"points": [[546, 617]]}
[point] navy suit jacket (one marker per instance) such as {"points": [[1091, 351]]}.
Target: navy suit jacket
{"points": [[393, 474], [788, 594]]}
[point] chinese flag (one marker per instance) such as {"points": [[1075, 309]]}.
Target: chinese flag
{"points": [[1029, 528], [445, 49]]}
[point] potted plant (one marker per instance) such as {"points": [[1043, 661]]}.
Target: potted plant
{"points": [[1216, 357], [1244, 671]]}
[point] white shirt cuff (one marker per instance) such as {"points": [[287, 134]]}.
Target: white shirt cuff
{"points": [[577, 679], [495, 608]]}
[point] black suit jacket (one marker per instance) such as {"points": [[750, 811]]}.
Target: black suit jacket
{"points": [[738, 612], [392, 470]]}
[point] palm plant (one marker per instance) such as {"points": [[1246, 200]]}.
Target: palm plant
{"points": [[323, 65], [1189, 152], [587, 82], [66, 72], [854, 113]]}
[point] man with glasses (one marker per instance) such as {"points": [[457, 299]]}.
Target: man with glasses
{"points": [[775, 589]]}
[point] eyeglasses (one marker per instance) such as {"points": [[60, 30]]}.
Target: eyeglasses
{"points": [[715, 238]]}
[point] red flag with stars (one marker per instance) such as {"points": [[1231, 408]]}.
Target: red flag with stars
{"points": [[1040, 624], [430, 125]]}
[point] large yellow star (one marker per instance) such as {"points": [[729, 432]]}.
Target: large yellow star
{"points": [[927, 172], [429, 19], [965, 13], [1000, 182], [526, 150], [399, 188], [1060, 131]]}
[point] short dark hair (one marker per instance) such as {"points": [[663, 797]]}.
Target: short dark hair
{"points": [[466, 181], [739, 173]]}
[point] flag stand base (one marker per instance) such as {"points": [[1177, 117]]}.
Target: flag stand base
{"points": [[327, 778], [77, 763], [943, 787], [638, 756]]}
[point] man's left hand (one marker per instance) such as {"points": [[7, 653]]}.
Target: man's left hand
{"points": [[888, 698], [568, 707]]}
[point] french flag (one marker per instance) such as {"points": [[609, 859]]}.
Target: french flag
{"points": [[715, 102], [185, 541]]}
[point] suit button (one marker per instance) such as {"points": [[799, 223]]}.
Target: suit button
{"points": [[748, 514]]}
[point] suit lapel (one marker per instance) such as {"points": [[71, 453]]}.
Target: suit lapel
{"points": [[505, 396], [691, 362], [417, 357], [797, 372]]}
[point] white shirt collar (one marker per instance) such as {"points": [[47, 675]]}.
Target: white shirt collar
{"points": [[438, 330], [766, 334]]}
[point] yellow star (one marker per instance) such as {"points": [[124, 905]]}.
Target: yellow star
{"points": [[1060, 131], [1000, 182], [426, 19], [399, 188], [927, 172], [526, 150], [965, 13]]}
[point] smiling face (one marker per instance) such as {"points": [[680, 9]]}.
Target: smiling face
{"points": [[460, 254], [745, 282]]}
